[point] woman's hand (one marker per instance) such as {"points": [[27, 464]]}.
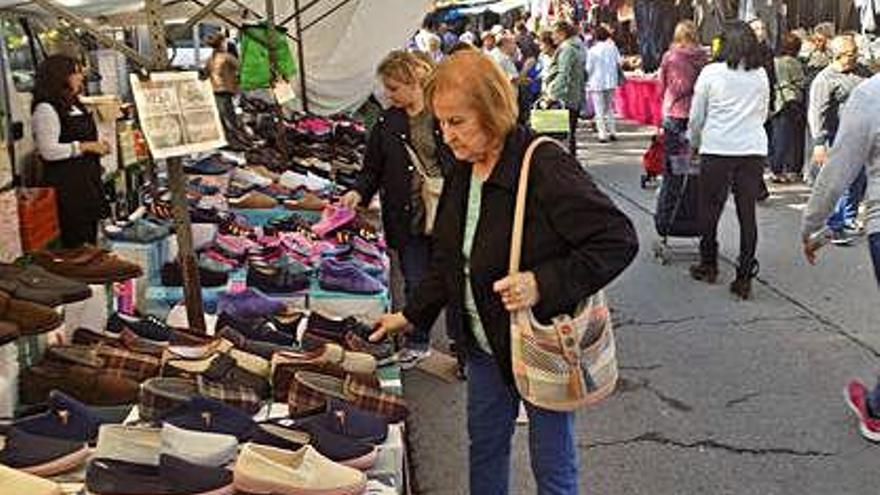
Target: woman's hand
{"points": [[388, 325], [518, 291], [99, 148], [351, 199]]}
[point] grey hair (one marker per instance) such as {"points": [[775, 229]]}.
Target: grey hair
{"points": [[839, 43]]}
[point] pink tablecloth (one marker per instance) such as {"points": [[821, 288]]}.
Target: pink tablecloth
{"points": [[639, 100]]}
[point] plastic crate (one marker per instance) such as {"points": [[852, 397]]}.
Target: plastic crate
{"points": [[37, 217]]}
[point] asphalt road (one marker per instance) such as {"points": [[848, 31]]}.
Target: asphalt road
{"points": [[717, 396]]}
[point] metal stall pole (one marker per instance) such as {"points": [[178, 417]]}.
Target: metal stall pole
{"points": [[299, 54], [271, 35], [192, 291]]}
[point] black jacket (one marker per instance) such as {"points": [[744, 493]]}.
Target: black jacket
{"points": [[388, 170], [576, 242]]}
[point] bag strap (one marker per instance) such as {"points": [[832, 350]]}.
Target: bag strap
{"points": [[417, 162], [519, 214]]}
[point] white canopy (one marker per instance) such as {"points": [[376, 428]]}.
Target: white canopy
{"points": [[342, 47]]}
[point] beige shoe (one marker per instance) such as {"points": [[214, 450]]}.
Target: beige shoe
{"points": [[263, 469], [15, 481], [357, 363], [253, 200], [310, 202]]}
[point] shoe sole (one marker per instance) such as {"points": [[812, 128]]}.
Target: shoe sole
{"points": [[362, 463], [863, 427], [246, 485], [61, 465], [226, 490]]}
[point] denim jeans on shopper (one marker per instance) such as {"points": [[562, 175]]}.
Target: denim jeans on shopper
{"points": [[414, 258], [847, 208], [492, 409], [874, 248]]}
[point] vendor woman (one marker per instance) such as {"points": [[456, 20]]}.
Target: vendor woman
{"points": [[67, 140]]}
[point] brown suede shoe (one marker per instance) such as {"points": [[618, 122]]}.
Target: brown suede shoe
{"points": [[8, 332], [91, 385], [88, 264], [31, 318]]}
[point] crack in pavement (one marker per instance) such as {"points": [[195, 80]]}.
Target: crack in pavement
{"points": [[740, 400], [632, 322], [829, 325], [625, 385], [647, 367], [658, 438]]}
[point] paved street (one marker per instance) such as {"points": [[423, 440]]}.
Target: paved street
{"points": [[717, 396]]}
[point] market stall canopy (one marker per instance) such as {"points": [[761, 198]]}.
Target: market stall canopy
{"points": [[344, 41], [499, 7]]}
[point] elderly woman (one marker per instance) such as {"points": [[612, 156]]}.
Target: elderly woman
{"points": [[577, 243]]}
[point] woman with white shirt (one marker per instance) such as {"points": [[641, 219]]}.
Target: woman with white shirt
{"points": [[728, 111], [603, 67], [67, 140]]}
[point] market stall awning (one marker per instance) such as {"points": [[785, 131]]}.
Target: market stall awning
{"points": [[499, 7], [344, 41]]}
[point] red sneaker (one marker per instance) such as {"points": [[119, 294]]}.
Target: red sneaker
{"points": [[856, 396]]}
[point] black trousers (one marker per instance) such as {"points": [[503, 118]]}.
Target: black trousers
{"points": [[718, 176], [77, 230], [573, 115]]}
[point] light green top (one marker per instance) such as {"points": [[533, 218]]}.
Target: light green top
{"points": [[475, 199]]}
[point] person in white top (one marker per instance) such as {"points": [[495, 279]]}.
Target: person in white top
{"points": [[730, 105], [505, 55], [603, 67]]}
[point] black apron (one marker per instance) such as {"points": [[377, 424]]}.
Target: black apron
{"points": [[77, 182]]}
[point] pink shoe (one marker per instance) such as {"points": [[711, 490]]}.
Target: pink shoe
{"points": [[332, 219], [856, 396]]}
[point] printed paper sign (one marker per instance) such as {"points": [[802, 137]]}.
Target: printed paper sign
{"points": [[178, 114]]}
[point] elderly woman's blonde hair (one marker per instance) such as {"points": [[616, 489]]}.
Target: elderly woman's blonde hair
{"points": [[685, 33], [406, 67], [486, 87]]}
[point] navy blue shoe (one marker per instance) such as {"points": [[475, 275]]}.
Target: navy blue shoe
{"points": [[212, 165], [344, 419], [338, 448], [212, 416], [41, 455], [148, 327], [66, 419], [172, 476], [255, 329]]}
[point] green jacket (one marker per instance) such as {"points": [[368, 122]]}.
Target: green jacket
{"points": [[790, 82], [567, 73]]}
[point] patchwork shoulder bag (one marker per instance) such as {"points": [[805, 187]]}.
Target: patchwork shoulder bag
{"points": [[572, 362]]}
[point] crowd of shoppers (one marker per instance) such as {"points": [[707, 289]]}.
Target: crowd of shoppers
{"points": [[798, 105]]}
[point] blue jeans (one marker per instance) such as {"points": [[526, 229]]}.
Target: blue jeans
{"points": [[414, 258], [874, 247], [848, 205], [492, 408]]}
